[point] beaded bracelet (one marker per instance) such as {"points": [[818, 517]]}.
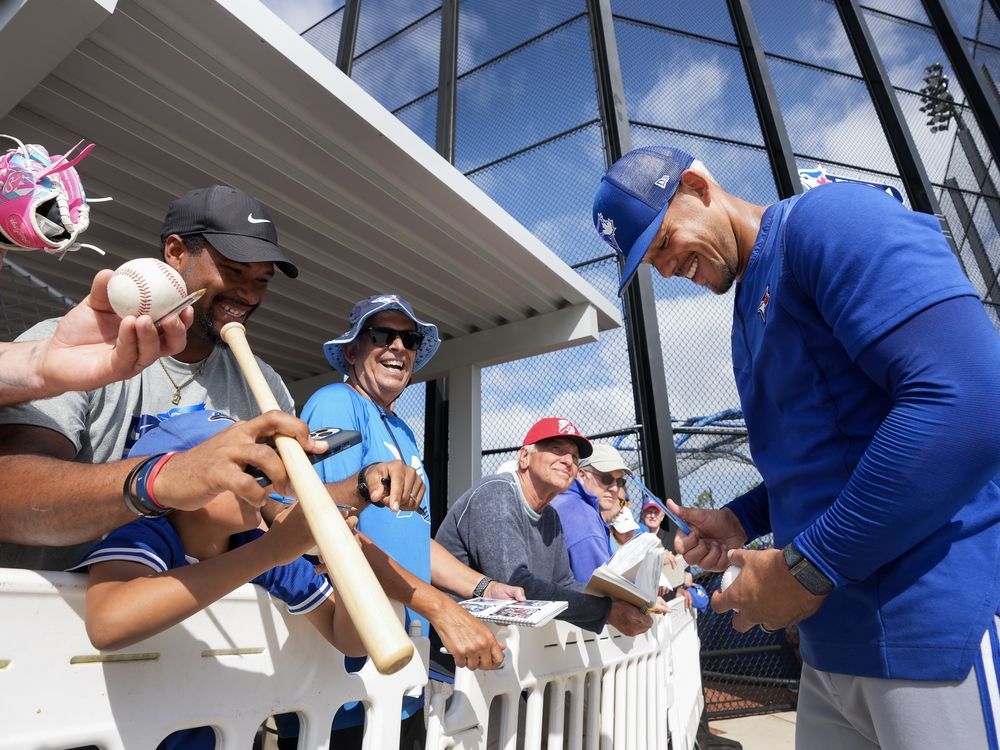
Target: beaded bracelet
{"points": [[139, 505]]}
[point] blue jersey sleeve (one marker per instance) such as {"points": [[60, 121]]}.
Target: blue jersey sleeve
{"points": [[829, 239], [148, 541], [935, 449], [297, 584], [752, 511]]}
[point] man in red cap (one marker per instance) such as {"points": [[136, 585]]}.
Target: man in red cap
{"points": [[504, 527]]}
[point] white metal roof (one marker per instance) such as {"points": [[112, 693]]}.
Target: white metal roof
{"points": [[184, 93]]}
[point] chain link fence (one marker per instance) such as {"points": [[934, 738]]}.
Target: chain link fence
{"points": [[26, 300]]}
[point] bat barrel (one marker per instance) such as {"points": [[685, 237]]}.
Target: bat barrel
{"points": [[357, 588]]}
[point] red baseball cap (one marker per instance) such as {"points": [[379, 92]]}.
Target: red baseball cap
{"points": [[557, 427]]}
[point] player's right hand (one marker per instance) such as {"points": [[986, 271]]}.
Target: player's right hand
{"points": [[192, 478], [713, 534]]}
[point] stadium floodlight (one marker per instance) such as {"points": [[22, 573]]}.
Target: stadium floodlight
{"points": [[936, 101]]}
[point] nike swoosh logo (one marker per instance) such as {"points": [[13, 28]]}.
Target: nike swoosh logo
{"points": [[252, 220]]}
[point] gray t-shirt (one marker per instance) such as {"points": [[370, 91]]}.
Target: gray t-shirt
{"points": [[491, 528], [103, 424]]}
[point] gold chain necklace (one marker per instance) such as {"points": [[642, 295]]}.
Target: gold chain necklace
{"points": [[177, 386]]}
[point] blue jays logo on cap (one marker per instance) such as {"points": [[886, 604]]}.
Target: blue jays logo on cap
{"points": [[181, 432], [606, 228], [632, 199]]}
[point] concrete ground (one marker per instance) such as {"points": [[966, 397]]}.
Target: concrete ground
{"points": [[768, 732]]}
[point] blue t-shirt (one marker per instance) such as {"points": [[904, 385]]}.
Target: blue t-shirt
{"points": [[587, 537], [832, 272], [153, 542], [406, 535]]}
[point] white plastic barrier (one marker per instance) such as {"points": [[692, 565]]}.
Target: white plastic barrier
{"points": [[229, 666], [244, 659], [564, 687]]}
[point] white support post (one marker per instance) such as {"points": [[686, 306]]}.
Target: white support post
{"points": [[464, 429]]}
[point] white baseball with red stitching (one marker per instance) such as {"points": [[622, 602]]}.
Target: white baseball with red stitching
{"points": [[145, 286]]}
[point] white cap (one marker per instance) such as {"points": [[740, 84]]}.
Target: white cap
{"points": [[605, 458], [624, 521]]}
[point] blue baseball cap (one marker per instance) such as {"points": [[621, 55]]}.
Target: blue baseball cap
{"points": [[632, 199], [334, 348], [699, 597], [181, 432]]}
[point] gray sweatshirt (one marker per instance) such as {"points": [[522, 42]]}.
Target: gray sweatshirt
{"points": [[491, 528]]}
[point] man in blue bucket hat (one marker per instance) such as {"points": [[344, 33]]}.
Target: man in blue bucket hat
{"points": [[868, 373], [384, 345]]}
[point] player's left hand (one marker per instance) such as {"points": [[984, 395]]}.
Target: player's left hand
{"points": [[92, 346], [764, 593]]}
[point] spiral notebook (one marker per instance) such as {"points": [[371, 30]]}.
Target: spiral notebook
{"points": [[528, 614]]}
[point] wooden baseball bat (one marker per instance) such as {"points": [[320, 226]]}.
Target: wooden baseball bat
{"points": [[357, 588]]}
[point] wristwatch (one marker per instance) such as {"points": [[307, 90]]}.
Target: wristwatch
{"points": [[482, 586], [812, 578]]}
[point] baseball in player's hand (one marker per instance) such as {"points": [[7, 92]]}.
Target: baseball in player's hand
{"points": [[92, 346], [191, 479], [765, 593]]}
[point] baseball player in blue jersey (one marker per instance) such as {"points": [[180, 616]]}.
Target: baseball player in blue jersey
{"points": [[868, 373]]}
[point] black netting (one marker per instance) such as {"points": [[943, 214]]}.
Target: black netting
{"points": [[588, 384], [507, 105], [421, 117], [325, 35], [747, 673], [711, 19], [487, 28], [806, 30], [549, 190], [975, 19], [25, 300], [404, 67], [911, 9], [830, 117], [693, 85], [381, 19]]}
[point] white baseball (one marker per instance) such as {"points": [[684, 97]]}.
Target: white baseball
{"points": [[145, 286], [729, 576]]}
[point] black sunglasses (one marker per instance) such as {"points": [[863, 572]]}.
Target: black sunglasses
{"points": [[382, 336], [606, 479]]}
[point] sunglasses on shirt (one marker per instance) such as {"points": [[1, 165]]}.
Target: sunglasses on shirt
{"points": [[382, 336]]}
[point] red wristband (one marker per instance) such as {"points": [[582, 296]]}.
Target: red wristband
{"points": [[152, 477]]}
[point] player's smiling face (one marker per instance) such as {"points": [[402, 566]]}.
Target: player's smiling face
{"points": [[695, 240], [382, 372]]}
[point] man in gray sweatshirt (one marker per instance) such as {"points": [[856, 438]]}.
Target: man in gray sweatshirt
{"points": [[504, 527]]}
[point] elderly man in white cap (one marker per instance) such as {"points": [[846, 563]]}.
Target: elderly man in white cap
{"points": [[587, 508]]}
